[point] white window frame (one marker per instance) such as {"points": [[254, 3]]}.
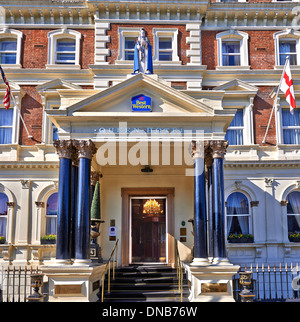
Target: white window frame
{"points": [[249, 215], [47, 124], [233, 35], [123, 33], [55, 35], [288, 35], [46, 216], [280, 127], [18, 35], [165, 33]]}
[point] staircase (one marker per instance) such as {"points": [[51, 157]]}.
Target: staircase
{"points": [[145, 282]]}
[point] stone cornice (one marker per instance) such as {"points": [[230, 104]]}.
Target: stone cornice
{"points": [[262, 164]]}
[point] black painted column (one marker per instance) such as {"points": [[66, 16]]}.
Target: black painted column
{"points": [[86, 150], [208, 175], [74, 192], [218, 203], [64, 150], [200, 224]]}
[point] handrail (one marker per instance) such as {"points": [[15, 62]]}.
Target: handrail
{"points": [[113, 254], [179, 270]]}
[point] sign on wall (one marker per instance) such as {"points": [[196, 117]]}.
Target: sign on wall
{"points": [[141, 103]]}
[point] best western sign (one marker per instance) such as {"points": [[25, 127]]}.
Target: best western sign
{"points": [[141, 103]]}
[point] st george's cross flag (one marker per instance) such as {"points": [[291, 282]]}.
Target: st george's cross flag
{"points": [[287, 86], [6, 100]]}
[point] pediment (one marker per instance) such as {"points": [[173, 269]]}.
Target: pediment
{"points": [[57, 84], [117, 99], [237, 85]]}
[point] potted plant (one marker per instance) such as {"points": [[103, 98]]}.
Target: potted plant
{"points": [[240, 238], [48, 239], [294, 237], [2, 240]]}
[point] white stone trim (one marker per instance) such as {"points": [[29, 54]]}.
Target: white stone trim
{"points": [[194, 41], [124, 32], [53, 36], [12, 33], [288, 34], [165, 32], [234, 35], [101, 39]]}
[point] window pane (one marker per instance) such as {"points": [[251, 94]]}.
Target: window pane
{"points": [[165, 43], [291, 136], [287, 48], [54, 132], [231, 47], [238, 119], [8, 58], [234, 137], [231, 60], [237, 203], [5, 135], [3, 206], [66, 45], [51, 226], [65, 57], [167, 56], [8, 44], [293, 206], [129, 55], [52, 205], [6, 117], [129, 42]]}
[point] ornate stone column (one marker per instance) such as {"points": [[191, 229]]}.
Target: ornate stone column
{"points": [[86, 150], [218, 148], [200, 223], [64, 149]]}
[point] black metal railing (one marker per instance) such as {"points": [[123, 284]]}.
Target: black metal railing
{"points": [[15, 283], [271, 282]]}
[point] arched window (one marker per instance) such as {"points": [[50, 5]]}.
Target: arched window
{"points": [[3, 214], [293, 212], [237, 214], [51, 214]]}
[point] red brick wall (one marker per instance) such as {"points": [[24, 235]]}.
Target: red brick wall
{"points": [[32, 113], [35, 48], [262, 108], [209, 49], [114, 39]]}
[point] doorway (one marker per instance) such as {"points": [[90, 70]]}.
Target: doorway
{"points": [[148, 229]]}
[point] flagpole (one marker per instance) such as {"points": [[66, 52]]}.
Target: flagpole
{"points": [[29, 136], [275, 100]]}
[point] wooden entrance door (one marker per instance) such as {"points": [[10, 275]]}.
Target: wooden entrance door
{"points": [[148, 232]]}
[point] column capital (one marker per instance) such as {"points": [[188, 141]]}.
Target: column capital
{"points": [[218, 148], [95, 176], [86, 149], [197, 149], [208, 154], [64, 148]]}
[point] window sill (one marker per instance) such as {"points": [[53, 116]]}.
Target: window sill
{"points": [[11, 66], [61, 66], [293, 67], [233, 68]]}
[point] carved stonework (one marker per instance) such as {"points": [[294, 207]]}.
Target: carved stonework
{"points": [[75, 159], [86, 149], [25, 184], [218, 148], [269, 182], [208, 154], [197, 149], [283, 203], [254, 203], [95, 176], [10, 204], [40, 204], [64, 148]]}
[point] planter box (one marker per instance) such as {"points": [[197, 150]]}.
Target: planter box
{"points": [[2, 241], [241, 240], [294, 239], [48, 241]]}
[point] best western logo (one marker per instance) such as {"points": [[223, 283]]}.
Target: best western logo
{"points": [[141, 103]]}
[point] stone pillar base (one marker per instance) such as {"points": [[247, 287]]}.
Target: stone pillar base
{"points": [[212, 282], [73, 283]]}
